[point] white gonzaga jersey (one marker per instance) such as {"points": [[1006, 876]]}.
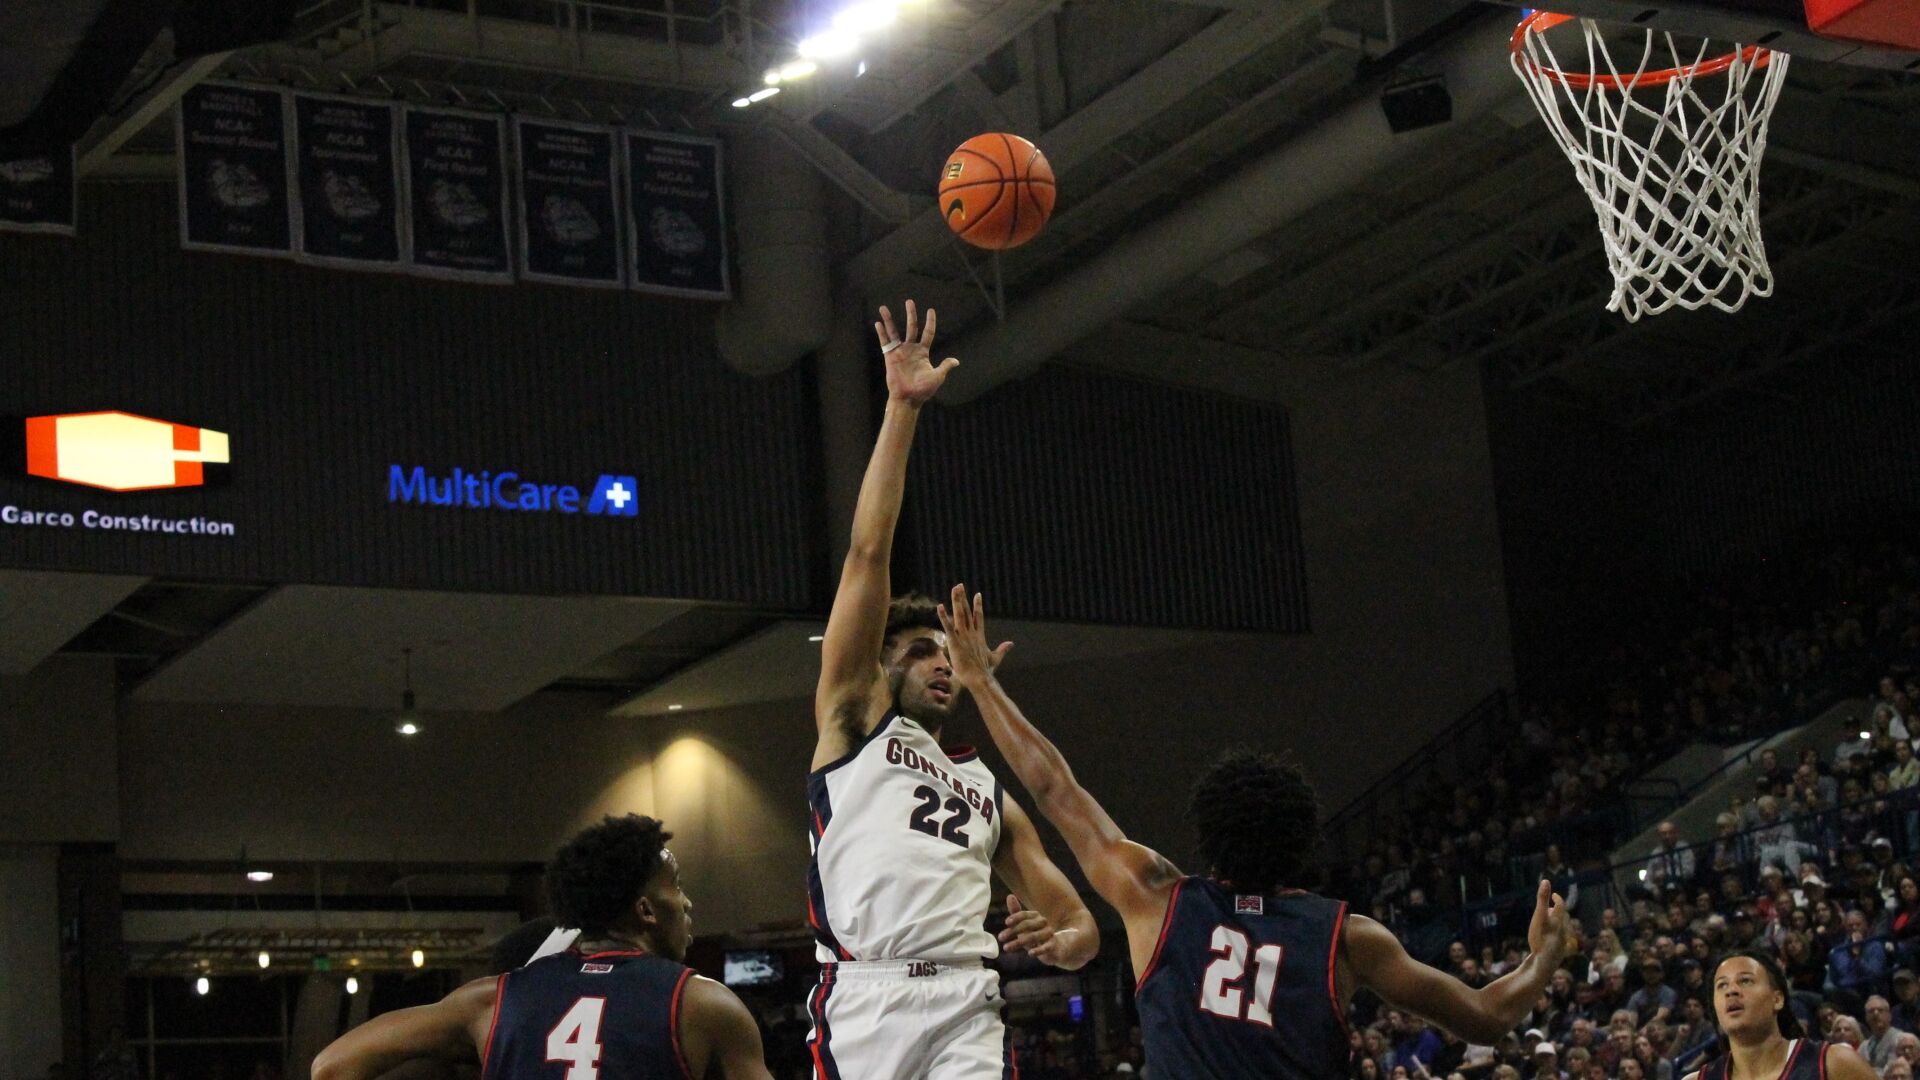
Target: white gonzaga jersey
{"points": [[903, 837]]}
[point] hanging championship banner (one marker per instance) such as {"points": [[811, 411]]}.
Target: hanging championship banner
{"points": [[456, 172], [37, 194], [677, 239], [346, 164], [233, 170], [569, 209]]}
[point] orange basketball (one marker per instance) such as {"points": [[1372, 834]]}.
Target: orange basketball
{"points": [[996, 191]]}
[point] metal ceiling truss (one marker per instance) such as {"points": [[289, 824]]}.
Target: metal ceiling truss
{"points": [[1818, 213], [1483, 210], [1860, 318], [237, 951], [1540, 279]]}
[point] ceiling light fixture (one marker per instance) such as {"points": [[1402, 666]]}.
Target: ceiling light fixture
{"points": [[828, 45], [419, 958], [816, 637], [741, 103], [265, 960], [408, 722], [201, 986], [675, 708], [794, 69], [259, 876], [773, 76], [353, 985], [763, 94], [868, 15]]}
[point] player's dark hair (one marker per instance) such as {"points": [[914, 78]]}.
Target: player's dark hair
{"points": [[595, 879], [1788, 1023], [1258, 821], [516, 946], [911, 611]]}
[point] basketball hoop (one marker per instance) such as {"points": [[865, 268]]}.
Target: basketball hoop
{"points": [[1674, 179]]}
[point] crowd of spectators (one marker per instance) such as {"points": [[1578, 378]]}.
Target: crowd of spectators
{"points": [[1810, 864], [1743, 658], [1814, 868]]}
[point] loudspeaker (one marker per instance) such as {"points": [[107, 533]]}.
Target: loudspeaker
{"points": [[1416, 103]]}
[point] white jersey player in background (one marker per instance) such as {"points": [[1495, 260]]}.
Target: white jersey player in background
{"points": [[906, 832]]}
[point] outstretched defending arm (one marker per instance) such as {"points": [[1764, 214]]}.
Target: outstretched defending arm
{"points": [[1381, 964], [850, 674], [1136, 880], [452, 1029]]}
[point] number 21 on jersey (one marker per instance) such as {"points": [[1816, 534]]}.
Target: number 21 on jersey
{"points": [[1223, 991], [576, 1039]]}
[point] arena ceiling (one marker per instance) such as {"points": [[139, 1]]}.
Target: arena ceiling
{"points": [[1464, 243]]}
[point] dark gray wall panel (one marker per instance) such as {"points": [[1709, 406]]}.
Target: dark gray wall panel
{"points": [[325, 377]]}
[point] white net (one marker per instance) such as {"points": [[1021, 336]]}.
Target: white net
{"points": [[1668, 149]]}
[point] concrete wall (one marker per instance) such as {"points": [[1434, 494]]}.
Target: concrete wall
{"points": [[326, 784], [59, 754], [30, 960]]}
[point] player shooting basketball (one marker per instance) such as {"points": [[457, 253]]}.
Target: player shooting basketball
{"points": [[908, 831], [1240, 973]]}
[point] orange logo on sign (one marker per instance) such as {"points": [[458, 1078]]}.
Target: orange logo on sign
{"points": [[120, 451]]}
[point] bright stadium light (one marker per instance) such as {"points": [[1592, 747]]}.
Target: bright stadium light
{"points": [[259, 876], [419, 958], [741, 103], [864, 16], [829, 45], [265, 960], [201, 986], [353, 985], [795, 69], [763, 94]]}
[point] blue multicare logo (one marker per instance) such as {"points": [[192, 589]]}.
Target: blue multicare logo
{"points": [[612, 495]]}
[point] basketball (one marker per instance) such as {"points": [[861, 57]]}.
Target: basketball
{"points": [[996, 191]]}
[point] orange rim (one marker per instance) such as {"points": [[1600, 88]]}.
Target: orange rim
{"points": [[1541, 21]]}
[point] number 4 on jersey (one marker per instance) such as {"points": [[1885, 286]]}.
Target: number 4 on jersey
{"points": [[576, 1039], [1220, 991]]}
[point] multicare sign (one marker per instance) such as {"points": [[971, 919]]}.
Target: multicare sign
{"points": [[611, 495]]}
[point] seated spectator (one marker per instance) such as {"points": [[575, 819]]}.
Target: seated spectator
{"points": [[1670, 861], [1861, 963], [1652, 1063], [1906, 1001], [1878, 1046], [1655, 1000], [1418, 1042], [1546, 1062], [1906, 1047], [1846, 1032]]}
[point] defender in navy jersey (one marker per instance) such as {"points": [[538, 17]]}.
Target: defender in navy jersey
{"points": [[618, 1004], [908, 830], [1238, 974], [1760, 1036]]}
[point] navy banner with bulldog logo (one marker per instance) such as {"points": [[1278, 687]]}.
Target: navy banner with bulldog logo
{"points": [[37, 193], [233, 170], [678, 238], [457, 195], [346, 167], [569, 209]]}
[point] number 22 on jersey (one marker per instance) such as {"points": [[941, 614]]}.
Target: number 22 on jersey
{"points": [[1222, 989], [576, 1039]]}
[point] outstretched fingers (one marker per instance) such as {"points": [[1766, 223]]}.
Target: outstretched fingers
{"points": [[926, 338], [913, 323]]}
